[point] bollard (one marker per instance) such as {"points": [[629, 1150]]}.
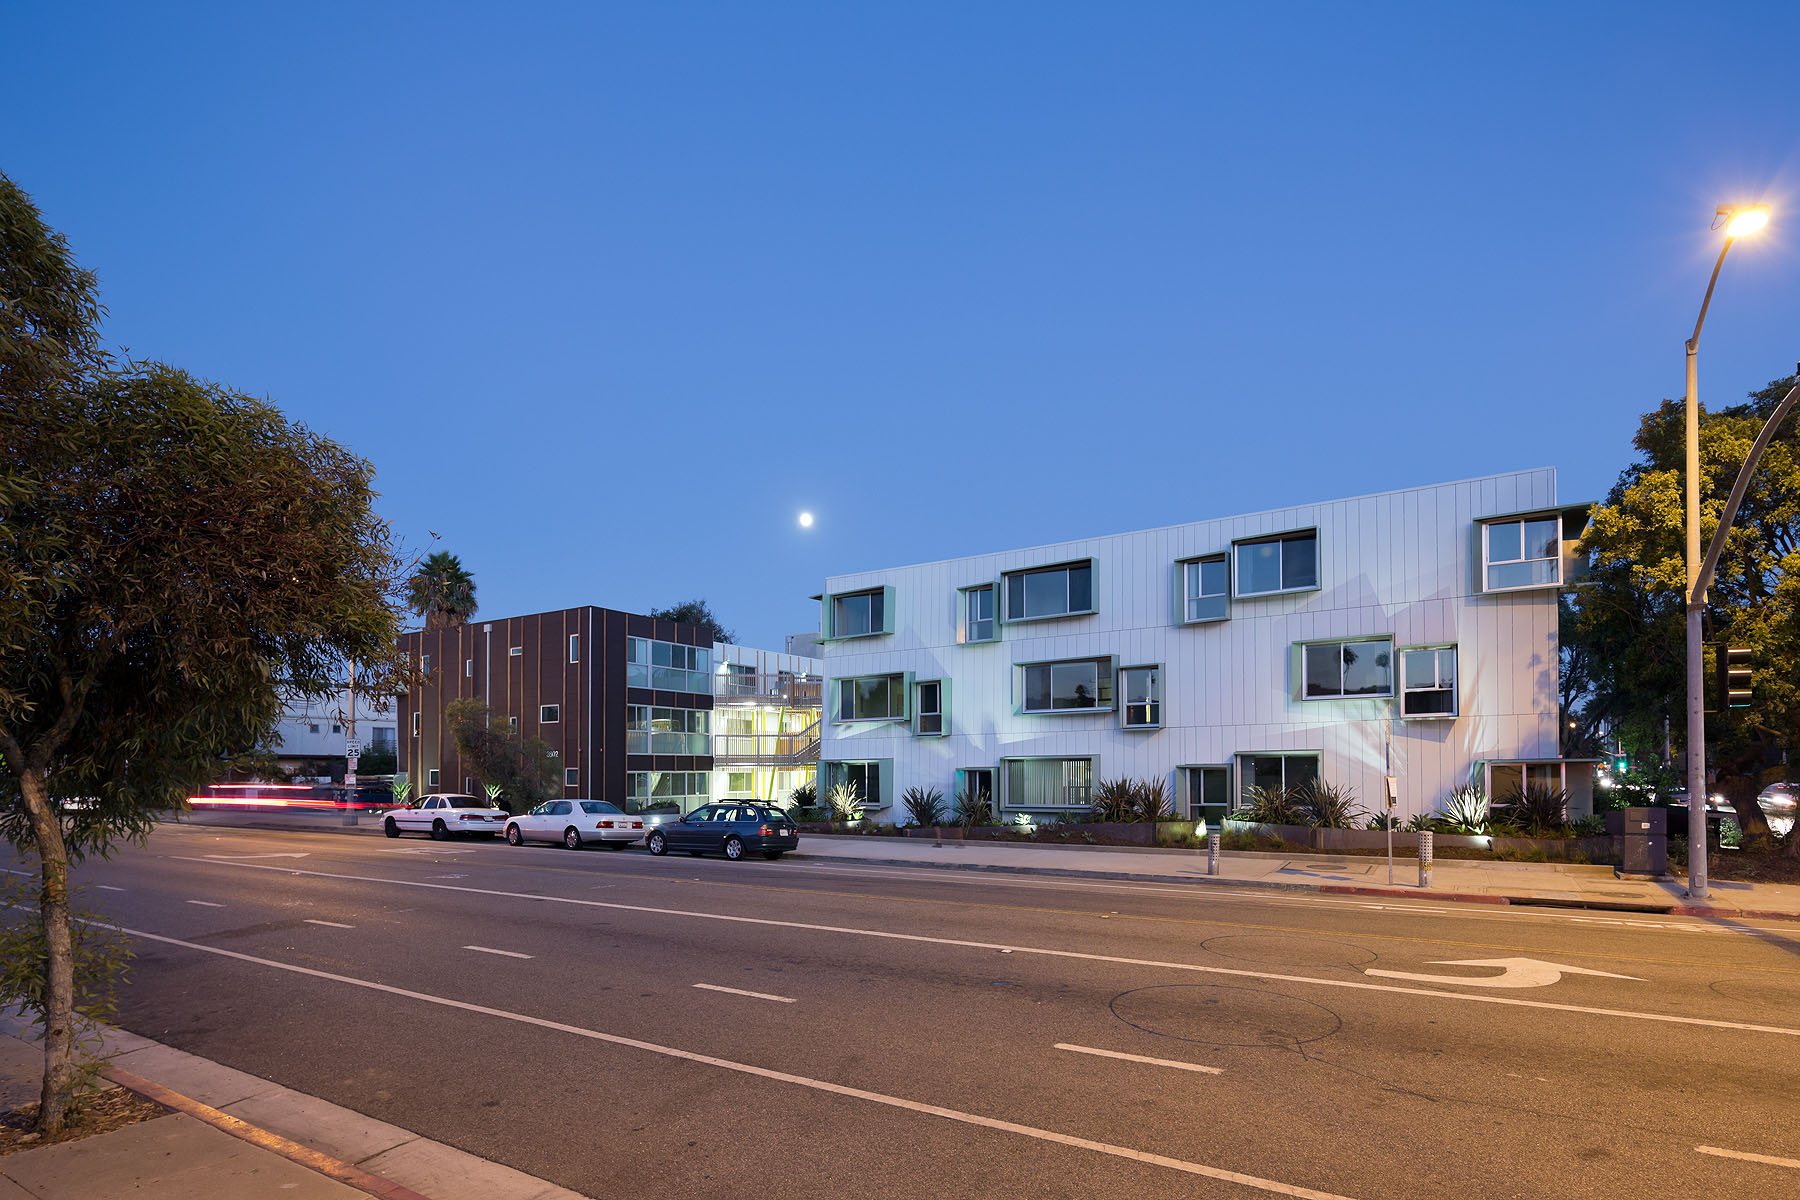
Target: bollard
{"points": [[1424, 858], [1212, 848]]}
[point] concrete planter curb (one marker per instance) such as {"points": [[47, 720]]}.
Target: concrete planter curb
{"points": [[1598, 849]]}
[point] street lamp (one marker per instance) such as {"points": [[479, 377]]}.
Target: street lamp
{"points": [[1737, 221]]}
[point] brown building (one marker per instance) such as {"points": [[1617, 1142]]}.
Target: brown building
{"points": [[624, 700]]}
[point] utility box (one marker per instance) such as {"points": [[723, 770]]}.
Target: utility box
{"points": [[1643, 839]]}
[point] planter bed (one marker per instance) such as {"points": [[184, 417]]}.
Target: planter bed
{"points": [[1444, 845]]}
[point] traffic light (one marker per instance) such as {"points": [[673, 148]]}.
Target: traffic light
{"points": [[1621, 764], [1733, 664]]}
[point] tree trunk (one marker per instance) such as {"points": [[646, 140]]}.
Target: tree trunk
{"points": [[59, 992], [1741, 792]]}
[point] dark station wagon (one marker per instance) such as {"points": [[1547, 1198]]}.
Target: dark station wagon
{"points": [[731, 829]]}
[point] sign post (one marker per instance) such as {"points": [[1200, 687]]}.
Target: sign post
{"points": [[1393, 799], [352, 749]]}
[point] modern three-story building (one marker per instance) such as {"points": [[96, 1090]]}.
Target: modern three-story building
{"points": [[1411, 635]]}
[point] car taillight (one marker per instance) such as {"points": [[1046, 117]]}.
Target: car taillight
{"points": [[766, 831], [604, 825], [637, 824]]}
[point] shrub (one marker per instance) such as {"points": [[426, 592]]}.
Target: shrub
{"points": [[1272, 806], [1150, 800], [1588, 827], [805, 796], [1330, 806], [924, 806], [1465, 809], [973, 808], [1538, 809], [845, 802], [1115, 799], [1383, 820]]}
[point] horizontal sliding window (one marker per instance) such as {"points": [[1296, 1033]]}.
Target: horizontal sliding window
{"points": [[667, 666], [1339, 670], [1523, 553], [664, 791], [1272, 772], [1289, 563], [1050, 591], [1203, 591], [857, 614], [1073, 686], [1428, 682], [653, 730], [872, 698], [1049, 782]]}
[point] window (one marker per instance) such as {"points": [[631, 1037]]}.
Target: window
{"points": [[664, 791], [424, 664], [1289, 563], [1523, 554], [867, 778], [978, 624], [515, 652], [1142, 687], [858, 614], [549, 714], [1343, 670], [930, 709], [1270, 771], [513, 721], [1061, 591], [415, 725], [668, 667], [1207, 791], [571, 776], [1428, 682], [740, 783], [381, 737], [1508, 781], [468, 668], [1079, 685], [872, 698], [652, 730], [1049, 782], [1204, 589], [431, 777], [574, 647], [337, 729], [312, 727]]}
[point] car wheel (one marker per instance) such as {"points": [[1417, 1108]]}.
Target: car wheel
{"points": [[734, 848], [438, 830], [657, 843], [513, 836], [772, 855], [391, 827], [571, 838]]}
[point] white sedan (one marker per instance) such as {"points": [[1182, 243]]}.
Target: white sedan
{"points": [[575, 823], [445, 814]]}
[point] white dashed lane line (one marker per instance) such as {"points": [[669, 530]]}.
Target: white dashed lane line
{"points": [[503, 953], [1139, 1058], [206, 904], [329, 924], [1767, 1160], [107, 887], [713, 987]]}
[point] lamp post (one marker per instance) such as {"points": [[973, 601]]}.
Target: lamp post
{"points": [[1737, 222]]}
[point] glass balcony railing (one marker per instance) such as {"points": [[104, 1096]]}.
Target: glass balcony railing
{"points": [[783, 688], [638, 741]]}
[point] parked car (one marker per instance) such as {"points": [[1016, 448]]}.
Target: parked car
{"points": [[575, 823], [1778, 802], [446, 814], [734, 829]]}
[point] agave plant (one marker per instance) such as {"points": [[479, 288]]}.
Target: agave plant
{"points": [[1538, 810], [1150, 800], [1383, 820], [1115, 799], [924, 806], [1272, 806], [846, 802], [973, 808], [402, 788], [1331, 805], [1466, 810]]}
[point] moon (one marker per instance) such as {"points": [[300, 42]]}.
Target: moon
{"points": [[806, 520]]}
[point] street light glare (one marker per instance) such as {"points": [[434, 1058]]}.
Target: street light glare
{"points": [[1746, 220]]}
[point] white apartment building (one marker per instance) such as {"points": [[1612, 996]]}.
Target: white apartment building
{"points": [[1410, 634]]}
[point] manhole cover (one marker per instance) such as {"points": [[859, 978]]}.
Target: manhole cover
{"points": [[1783, 997], [1218, 1015], [1286, 950]]}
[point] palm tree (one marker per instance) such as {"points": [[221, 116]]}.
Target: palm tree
{"points": [[441, 591]]}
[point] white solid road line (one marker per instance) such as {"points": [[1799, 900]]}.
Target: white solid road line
{"points": [[713, 987], [491, 950], [949, 1114], [1139, 1058], [329, 924], [1755, 1158], [1357, 985], [108, 888], [206, 904]]}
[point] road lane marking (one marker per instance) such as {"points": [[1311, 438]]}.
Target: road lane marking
{"points": [[713, 987], [1139, 1058], [206, 904], [1755, 1158], [1077, 955], [838, 1089], [329, 924], [491, 950], [108, 887], [234, 857], [1514, 973]]}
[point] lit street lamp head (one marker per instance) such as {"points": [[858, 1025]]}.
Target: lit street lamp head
{"points": [[1741, 220]]}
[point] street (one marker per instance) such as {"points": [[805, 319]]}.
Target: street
{"points": [[626, 1025]]}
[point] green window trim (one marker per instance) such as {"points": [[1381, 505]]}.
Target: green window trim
{"points": [[831, 773], [1190, 806], [1003, 596], [1299, 667], [1106, 676], [963, 622], [943, 711], [828, 604], [834, 699], [1153, 717]]}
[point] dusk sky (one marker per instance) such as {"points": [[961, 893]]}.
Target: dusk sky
{"points": [[609, 294]]}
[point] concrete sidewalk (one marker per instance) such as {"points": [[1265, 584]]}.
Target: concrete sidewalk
{"points": [[235, 1135], [1556, 884]]}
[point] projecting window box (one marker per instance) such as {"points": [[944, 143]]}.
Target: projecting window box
{"points": [[1203, 589], [1066, 687], [1141, 688], [1279, 563], [1428, 683], [868, 612], [1347, 669], [871, 698], [977, 618], [1049, 593]]}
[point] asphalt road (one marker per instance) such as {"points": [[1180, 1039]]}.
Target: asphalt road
{"points": [[631, 1026]]}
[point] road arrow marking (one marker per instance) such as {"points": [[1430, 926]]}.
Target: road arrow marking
{"points": [[1514, 973], [239, 857]]}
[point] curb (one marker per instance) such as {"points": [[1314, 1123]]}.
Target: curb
{"points": [[1063, 872], [1340, 889], [324, 1164]]}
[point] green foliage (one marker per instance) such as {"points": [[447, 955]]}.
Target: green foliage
{"points": [[805, 796], [1150, 800], [973, 808], [1329, 805], [499, 755], [377, 761], [1382, 820], [695, 612], [1466, 810], [1115, 799], [924, 806], [845, 801], [402, 788], [1538, 810], [441, 591], [1272, 806], [1588, 827]]}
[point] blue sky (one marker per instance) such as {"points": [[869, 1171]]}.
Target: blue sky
{"points": [[610, 293]]}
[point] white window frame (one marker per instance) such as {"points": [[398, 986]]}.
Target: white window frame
{"points": [[1190, 575], [1488, 562], [897, 684], [1154, 705], [1455, 688], [468, 668], [431, 778], [920, 712], [872, 597], [574, 647], [1340, 643], [1004, 599], [415, 724], [424, 664], [1105, 676], [571, 777], [515, 652], [1292, 535], [966, 621], [1244, 778], [1013, 803], [1193, 799], [549, 714]]}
